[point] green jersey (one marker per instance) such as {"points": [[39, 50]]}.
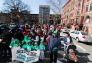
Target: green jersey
{"points": [[15, 43]]}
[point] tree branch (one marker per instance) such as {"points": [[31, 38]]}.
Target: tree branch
{"points": [[56, 6]]}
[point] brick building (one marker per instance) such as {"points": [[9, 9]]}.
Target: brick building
{"points": [[34, 18], [87, 13], [72, 11], [78, 11], [4, 18], [25, 18]]}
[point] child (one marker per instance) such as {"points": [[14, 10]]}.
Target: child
{"points": [[27, 43], [42, 48], [15, 45]]}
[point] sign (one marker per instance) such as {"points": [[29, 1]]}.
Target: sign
{"points": [[27, 57]]}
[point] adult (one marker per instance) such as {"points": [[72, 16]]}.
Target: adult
{"points": [[67, 41], [6, 40], [26, 30], [53, 46]]}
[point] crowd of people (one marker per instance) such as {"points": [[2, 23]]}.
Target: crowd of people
{"points": [[36, 37]]}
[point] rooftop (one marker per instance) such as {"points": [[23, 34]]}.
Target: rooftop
{"points": [[44, 6]]}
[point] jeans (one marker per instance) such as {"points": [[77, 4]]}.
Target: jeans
{"points": [[42, 55], [53, 56], [14, 50], [5, 50]]}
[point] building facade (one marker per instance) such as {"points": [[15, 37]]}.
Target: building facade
{"points": [[87, 13], [34, 18], [78, 11], [5, 18], [25, 18], [72, 11], [44, 14]]}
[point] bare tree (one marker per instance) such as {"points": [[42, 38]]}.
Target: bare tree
{"points": [[17, 5], [56, 6]]}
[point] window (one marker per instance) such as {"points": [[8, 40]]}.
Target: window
{"points": [[87, 8], [78, 12], [87, 0], [79, 4], [91, 7]]}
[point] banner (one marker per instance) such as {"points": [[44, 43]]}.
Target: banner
{"points": [[27, 57]]}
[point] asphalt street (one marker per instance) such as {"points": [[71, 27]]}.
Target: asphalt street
{"points": [[84, 52]]}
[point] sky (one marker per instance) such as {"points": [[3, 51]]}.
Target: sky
{"points": [[33, 5]]}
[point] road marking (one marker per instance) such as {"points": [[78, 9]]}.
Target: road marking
{"points": [[81, 48]]}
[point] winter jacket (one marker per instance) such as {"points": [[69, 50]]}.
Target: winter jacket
{"points": [[28, 47], [54, 43], [27, 39], [42, 46], [65, 40]]}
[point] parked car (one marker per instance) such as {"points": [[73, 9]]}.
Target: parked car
{"points": [[65, 30], [12, 25], [62, 34], [81, 36]]}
